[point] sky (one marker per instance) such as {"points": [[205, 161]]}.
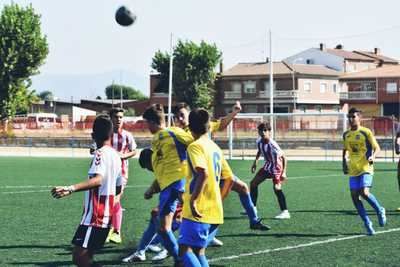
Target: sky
{"points": [[84, 38]]}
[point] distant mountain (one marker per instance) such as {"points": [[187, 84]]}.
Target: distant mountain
{"points": [[87, 86]]}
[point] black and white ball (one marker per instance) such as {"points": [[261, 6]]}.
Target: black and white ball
{"points": [[124, 16]]}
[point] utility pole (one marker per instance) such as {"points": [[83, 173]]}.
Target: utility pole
{"points": [[171, 59], [271, 86]]}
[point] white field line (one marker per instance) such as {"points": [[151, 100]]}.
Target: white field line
{"points": [[315, 243], [129, 186]]}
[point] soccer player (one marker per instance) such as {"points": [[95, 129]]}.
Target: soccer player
{"points": [[169, 161], [124, 143], [397, 149], [181, 117], [361, 148], [103, 184], [274, 168], [202, 200]]}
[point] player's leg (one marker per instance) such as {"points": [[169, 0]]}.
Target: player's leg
{"points": [[168, 203], [201, 255], [82, 257], [243, 191], [188, 257], [257, 180], [115, 234], [366, 183], [355, 185], [277, 186]]}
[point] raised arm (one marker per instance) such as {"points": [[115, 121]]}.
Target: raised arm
{"points": [[228, 118]]}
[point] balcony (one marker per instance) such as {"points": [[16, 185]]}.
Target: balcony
{"points": [[279, 94], [358, 95], [232, 95]]}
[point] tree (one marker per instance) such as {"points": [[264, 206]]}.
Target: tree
{"points": [[23, 49], [114, 91], [193, 72], [46, 95]]}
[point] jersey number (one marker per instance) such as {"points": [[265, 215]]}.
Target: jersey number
{"points": [[217, 166]]}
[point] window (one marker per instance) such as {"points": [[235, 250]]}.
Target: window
{"points": [[318, 108], [266, 85], [334, 88], [250, 87], [391, 88], [307, 86], [337, 108], [323, 87], [250, 108], [303, 109], [368, 86], [236, 86]]}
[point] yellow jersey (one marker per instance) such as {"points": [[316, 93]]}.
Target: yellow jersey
{"points": [[360, 145], [169, 157], [204, 153]]}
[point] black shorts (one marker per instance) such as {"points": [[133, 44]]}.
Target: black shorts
{"points": [[90, 237]]}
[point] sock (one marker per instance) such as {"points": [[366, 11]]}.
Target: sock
{"points": [[203, 260], [254, 195], [117, 217], [189, 259], [248, 205], [361, 211], [373, 202], [170, 243], [281, 199], [212, 233], [149, 235]]}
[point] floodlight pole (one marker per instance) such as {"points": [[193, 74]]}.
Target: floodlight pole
{"points": [[271, 86], [171, 59]]}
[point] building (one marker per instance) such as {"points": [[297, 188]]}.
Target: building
{"points": [[342, 60], [297, 88], [375, 91]]}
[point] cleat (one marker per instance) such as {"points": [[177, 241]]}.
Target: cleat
{"points": [[137, 256], [370, 229], [283, 215], [116, 238], [154, 248], [243, 212], [109, 235], [259, 226], [382, 217], [162, 255], [216, 243]]}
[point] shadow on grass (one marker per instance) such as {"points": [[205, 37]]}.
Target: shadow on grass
{"points": [[344, 212], [65, 247]]}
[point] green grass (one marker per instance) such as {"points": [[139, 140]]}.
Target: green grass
{"points": [[37, 230]]}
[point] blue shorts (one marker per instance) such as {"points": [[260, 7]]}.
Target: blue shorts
{"points": [[361, 181], [194, 234], [169, 197]]}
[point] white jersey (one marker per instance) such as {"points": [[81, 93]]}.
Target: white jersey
{"points": [[99, 202], [123, 142]]}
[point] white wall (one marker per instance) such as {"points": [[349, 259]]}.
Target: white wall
{"points": [[318, 57], [78, 113]]}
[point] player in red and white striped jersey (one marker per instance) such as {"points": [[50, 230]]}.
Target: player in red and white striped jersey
{"points": [[124, 143], [274, 168], [103, 184]]}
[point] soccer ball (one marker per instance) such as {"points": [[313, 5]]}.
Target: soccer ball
{"points": [[124, 16]]}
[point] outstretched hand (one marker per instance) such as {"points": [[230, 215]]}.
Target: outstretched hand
{"points": [[61, 191]]}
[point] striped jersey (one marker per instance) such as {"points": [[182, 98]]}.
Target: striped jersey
{"points": [[123, 142], [272, 155], [99, 202]]}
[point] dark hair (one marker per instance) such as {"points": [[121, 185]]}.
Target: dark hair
{"points": [[154, 114], [145, 159], [179, 106], [355, 110], [199, 121], [114, 111], [102, 128], [264, 126]]}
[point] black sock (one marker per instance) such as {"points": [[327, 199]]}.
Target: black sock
{"points": [[254, 195], [281, 199]]}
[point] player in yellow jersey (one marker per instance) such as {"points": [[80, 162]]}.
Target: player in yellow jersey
{"points": [[169, 161], [202, 201], [361, 148], [181, 118]]}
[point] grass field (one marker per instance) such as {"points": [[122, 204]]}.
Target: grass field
{"points": [[324, 230]]}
